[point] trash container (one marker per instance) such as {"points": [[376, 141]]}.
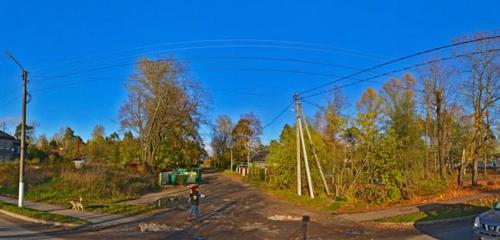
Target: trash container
{"points": [[198, 174], [191, 178], [173, 178], [181, 179], [165, 178]]}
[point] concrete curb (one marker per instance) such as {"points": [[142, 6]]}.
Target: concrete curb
{"points": [[34, 220], [430, 222]]}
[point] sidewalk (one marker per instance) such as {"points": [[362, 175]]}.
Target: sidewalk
{"points": [[98, 220], [171, 190], [391, 212]]}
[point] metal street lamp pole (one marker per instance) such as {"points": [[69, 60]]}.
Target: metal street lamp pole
{"points": [[23, 131]]}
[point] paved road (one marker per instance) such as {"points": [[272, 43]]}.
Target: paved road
{"points": [[451, 231], [234, 209], [11, 228]]}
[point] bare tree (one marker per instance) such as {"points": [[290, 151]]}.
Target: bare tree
{"points": [[436, 95], [482, 90]]}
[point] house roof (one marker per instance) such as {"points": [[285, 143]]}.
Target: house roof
{"points": [[4, 135]]}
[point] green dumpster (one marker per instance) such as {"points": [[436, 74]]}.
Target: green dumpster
{"points": [[181, 179], [198, 174], [172, 178], [164, 178]]}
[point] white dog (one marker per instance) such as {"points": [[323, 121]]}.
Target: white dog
{"points": [[77, 205]]}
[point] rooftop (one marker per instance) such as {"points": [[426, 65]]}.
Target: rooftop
{"points": [[4, 135]]}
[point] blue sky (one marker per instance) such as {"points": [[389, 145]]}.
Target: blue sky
{"points": [[53, 38]]}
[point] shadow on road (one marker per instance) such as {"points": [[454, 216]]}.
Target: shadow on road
{"points": [[448, 230]]}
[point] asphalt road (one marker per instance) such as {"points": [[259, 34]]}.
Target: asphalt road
{"points": [[236, 210], [451, 231], [11, 228]]}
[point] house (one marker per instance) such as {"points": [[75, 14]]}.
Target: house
{"points": [[9, 147]]}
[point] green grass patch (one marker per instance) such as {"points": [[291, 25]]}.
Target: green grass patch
{"points": [[437, 212], [28, 212], [119, 208]]}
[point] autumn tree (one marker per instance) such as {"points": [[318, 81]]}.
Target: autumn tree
{"points": [[439, 118], [368, 123], [482, 92], [129, 148], [246, 137], [401, 116], [222, 141], [164, 111], [95, 150]]}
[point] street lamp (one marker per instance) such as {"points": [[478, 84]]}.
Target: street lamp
{"points": [[23, 131]]}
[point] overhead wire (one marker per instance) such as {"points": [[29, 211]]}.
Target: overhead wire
{"points": [[278, 116], [400, 59], [41, 78], [397, 70], [297, 43]]}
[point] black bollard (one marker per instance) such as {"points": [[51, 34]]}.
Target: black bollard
{"points": [[305, 220]]}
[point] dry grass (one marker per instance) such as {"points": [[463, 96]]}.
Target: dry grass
{"points": [[100, 187]]}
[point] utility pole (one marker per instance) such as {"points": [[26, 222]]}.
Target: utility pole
{"points": [[299, 174], [300, 139], [318, 164], [23, 131], [231, 159], [306, 162]]}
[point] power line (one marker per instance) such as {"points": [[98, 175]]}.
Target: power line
{"points": [[400, 59], [316, 45], [278, 116], [44, 78], [399, 70], [312, 104], [225, 46]]}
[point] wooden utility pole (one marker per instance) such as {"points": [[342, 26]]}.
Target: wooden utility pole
{"points": [[299, 174], [306, 162], [318, 164], [23, 131], [231, 159]]}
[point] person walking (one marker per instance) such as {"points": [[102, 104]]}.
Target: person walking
{"points": [[194, 198]]}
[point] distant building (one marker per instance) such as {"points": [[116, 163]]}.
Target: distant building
{"points": [[9, 147]]}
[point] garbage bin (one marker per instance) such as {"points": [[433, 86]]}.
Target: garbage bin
{"points": [[191, 178], [173, 178], [164, 178], [198, 174], [181, 179]]}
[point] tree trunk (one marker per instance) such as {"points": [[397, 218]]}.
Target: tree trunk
{"points": [[474, 170], [460, 180]]}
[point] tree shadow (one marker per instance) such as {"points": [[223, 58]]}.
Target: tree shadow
{"points": [[437, 221]]}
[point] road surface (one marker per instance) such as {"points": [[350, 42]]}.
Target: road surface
{"points": [[11, 228], [451, 231], [235, 210]]}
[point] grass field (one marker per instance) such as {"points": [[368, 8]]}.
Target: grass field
{"points": [[102, 189], [439, 212]]}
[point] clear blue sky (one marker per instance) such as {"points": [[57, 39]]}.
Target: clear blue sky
{"points": [[46, 35]]}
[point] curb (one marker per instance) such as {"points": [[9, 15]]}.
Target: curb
{"points": [[430, 222], [34, 220]]}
